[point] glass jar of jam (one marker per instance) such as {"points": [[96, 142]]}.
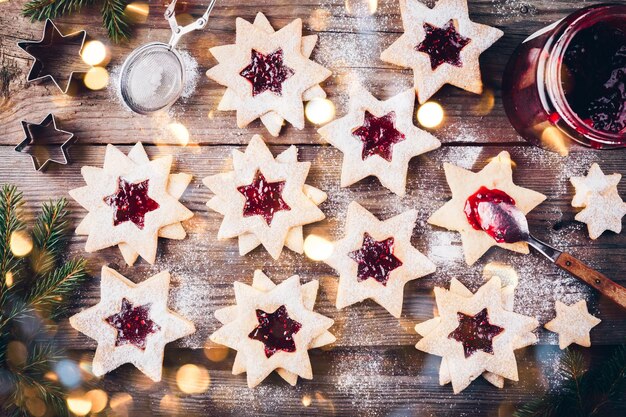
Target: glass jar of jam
{"points": [[568, 81]]}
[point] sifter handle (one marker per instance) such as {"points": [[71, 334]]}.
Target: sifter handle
{"points": [[177, 30]]}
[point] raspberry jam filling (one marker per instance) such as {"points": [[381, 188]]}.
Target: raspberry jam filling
{"points": [[376, 259], [594, 76], [133, 324], [475, 332], [484, 194], [443, 45], [263, 198], [267, 72], [276, 331], [378, 135], [131, 202]]}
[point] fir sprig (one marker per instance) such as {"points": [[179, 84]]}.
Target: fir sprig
{"points": [[38, 289], [583, 392], [113, 13]]}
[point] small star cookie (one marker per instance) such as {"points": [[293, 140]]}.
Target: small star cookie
{"points": [[441, 45], [268, 73], [496, 175], [378, 138], [375, 259], [249, 328], [476, 334], [131, 323], [603, 207], [573, 324], [265, 198], [131, 202]]}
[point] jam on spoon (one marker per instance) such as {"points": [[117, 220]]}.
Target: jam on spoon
{"points": [[496, 230], [376, 259], [131, 202], [263, 198], [276, 331], [267, 72], [133, 324], [475, 332]]}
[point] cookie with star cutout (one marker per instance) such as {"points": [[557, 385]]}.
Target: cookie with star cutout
{"points": [[493, 183], [375, 259], [476, 334], [573, 324], [441, 45], [378, 138], [508, 296], [131, 202], [268, 74], [250, 328], [131, 323], [597, 194], [266, 198]]}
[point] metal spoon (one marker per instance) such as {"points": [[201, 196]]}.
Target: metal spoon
{"points": [[513, 225]]}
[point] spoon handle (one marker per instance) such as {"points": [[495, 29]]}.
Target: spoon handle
{"points": [[592, 277]]}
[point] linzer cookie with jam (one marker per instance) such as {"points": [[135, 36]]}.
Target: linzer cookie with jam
{"points": [[272, 327], [378, 138], [375, 259], [268, 73], [265, 200], [441, 45], [493, 184], [131, 202], [475, 334], [131, 323]]}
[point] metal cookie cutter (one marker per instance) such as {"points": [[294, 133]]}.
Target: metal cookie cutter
{"points": [[38, 145], [153, 75], [46, 64]]}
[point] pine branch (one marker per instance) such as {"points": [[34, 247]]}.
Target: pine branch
{"points": [[114, 19], [49, 291], [609, 381], [49, 236], [10, 222], [51, 9]]}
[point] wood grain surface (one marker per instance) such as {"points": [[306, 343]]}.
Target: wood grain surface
{"points": [[373, 368]]}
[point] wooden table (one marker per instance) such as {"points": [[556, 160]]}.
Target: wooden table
{"points": [[373, 368]]}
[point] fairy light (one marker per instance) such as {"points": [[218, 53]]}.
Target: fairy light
{"points": [[79, 404], [120, 401], [180, 132], [137, 11], [319, 111], [507, 274], [317, 248], [306, 400], [94, 53], [68, 373], [8, 279], [98, 399], [96, 78], [430, 114], [373, 6], [192, 379], [36, 407], [215, 354], [21, 244]]}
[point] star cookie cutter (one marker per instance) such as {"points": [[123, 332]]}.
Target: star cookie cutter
{"points": [[52, 39], [32, 144]]}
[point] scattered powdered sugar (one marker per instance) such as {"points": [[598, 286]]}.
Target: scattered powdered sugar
{"points": [[507, 10]]}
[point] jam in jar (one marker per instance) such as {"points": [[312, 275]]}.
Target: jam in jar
{"points": [[568, 81]]}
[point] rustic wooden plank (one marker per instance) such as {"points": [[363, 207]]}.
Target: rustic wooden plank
{"points": [[352, 382], [204, 269], [97, 117]]}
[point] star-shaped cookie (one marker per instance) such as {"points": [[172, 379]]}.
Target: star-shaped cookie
{"points": [[131, 220], [375, 259], [508, 296], [603, 207], [441, 45], [131, 323], [476, 334], [272, 210], [268, 74], [265, 306], [573, 324], [496, 175], [378, 138], [272, 121]]}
